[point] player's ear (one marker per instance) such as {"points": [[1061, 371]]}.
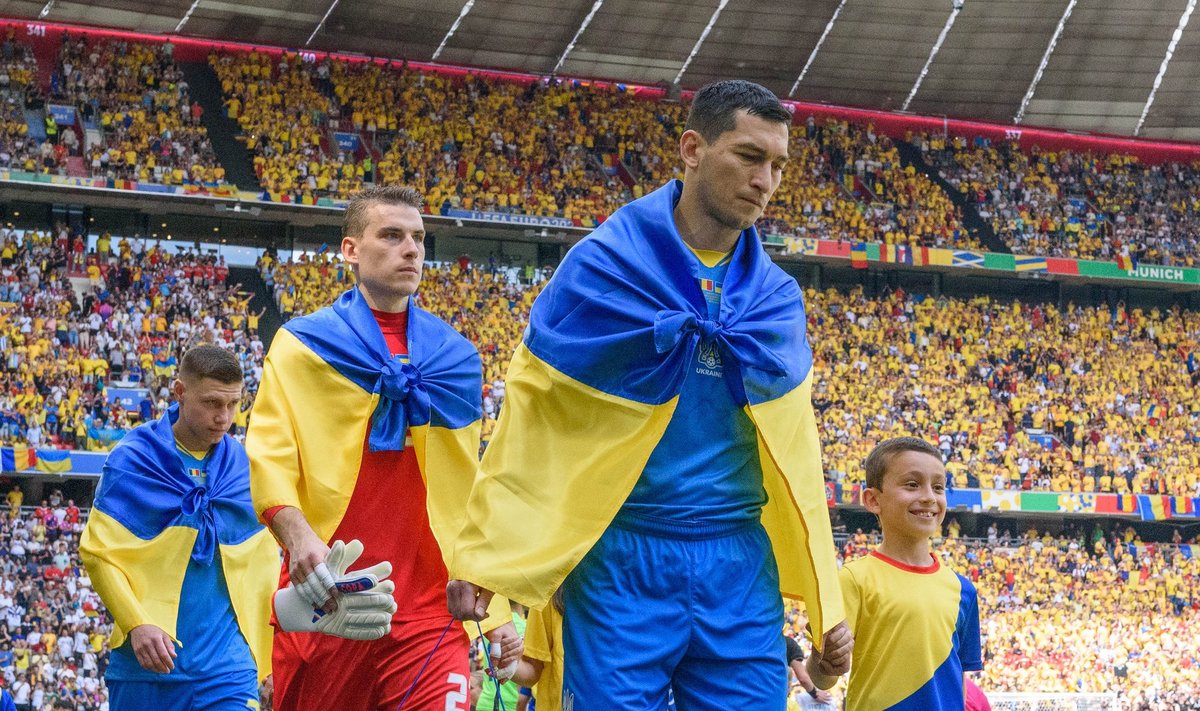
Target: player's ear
{"points": [[870, 499]]}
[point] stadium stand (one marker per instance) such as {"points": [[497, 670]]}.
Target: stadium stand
{"points": [[1069, 204]]}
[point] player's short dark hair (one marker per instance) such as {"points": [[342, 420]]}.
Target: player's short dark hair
{"points": [[877, 461], [715, 106], [209, 361], [354, 222]]}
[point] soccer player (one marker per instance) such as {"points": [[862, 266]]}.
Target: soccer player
{"points": [[915, 621], [658, 434], [366, 426], [175, 550]]}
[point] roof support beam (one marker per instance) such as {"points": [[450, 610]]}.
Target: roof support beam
{"points": [[321, 23], [813, 54], [1162, 69], [1062, 23], [937, 47], [186, 16], [466, 8], [703, 36], [578, 33]]}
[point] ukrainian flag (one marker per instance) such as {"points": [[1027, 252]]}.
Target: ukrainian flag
{"points": [[53, 461], [594, 384], [1026, 263]]}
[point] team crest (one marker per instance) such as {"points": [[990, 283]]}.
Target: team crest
{"points": [[709, 356]]}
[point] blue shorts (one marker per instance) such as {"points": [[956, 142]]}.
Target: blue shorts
{"points": [[235, 691], [652, 609]]}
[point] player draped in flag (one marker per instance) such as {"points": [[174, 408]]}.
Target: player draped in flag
{"points": [[366, 426], [178, 556], [658, 435]]}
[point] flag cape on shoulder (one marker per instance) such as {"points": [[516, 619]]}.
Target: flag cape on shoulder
{"points": [[150, 518], [328, 378], [595, 382]]}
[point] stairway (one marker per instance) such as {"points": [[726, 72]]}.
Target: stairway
{"points": [[250, 280], [238, 161], [976, 225]]}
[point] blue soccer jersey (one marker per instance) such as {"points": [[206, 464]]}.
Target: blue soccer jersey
{"points": [[916, 630], [705, 468], [211, 642]]}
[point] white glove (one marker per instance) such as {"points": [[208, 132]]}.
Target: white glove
{"points": [[365, 605], [332, 573], [501, 675]]}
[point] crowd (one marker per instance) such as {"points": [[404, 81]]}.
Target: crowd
{"points": [[1070, 204], [846, 182], [18, 74], [53, 628], [136, 95], [1113, 386], [63, 348]]}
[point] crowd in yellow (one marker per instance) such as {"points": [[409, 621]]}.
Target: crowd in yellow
{"points": [[63, 348], [150, 128], [846, 182], [1071, 204], [1114, 386]]}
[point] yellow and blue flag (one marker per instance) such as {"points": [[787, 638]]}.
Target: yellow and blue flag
{"points": [[53, 461], [595, 382], [149, 519]]}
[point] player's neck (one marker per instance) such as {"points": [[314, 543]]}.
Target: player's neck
{"points": [[386, 302], [699, 230], [910, 551]]}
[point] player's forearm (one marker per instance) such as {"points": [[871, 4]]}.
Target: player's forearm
{"points": [[528, 671], [291, 528]]}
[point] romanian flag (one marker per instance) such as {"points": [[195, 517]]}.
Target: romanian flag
{"points": [[1154, 508], [597, 380], [17, 458], [1183, 506], [858, 255], [1125, 262], [895, 253], [54, 461], [1116, 503]]}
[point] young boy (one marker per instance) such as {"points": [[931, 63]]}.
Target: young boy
{"points": [[915, 622]]}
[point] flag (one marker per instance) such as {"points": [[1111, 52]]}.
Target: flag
{"points": [[1002, 499], [921, 256], [54, 461], [802, 245], [1186, 551], [323, 248], [1183, 506], [1153, 411], [1125, 262], [17, 458], [858, 255], [971, 260], [1153, 508], [830, 494], [1039, 501], [1026, 263], [939, 257], [707, 285]]}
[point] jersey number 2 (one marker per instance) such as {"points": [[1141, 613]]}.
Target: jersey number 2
{"points": [[457, 700]]}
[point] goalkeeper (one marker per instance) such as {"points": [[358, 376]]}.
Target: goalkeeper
{"points": [[366, 426], [175, 550]]}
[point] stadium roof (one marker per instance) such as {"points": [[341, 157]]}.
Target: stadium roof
{"points": [[1106, 55]]}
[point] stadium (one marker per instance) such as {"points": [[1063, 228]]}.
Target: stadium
{"points": [[991, 212]]}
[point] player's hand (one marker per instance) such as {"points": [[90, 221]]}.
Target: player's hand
{"points": [[153, 648], [836, 650], [266, 692], [823, 697], [467, 601], [506, 649], [309, 573]]}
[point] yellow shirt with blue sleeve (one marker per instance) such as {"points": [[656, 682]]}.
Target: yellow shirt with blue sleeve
{"points": [[916, 630]]}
